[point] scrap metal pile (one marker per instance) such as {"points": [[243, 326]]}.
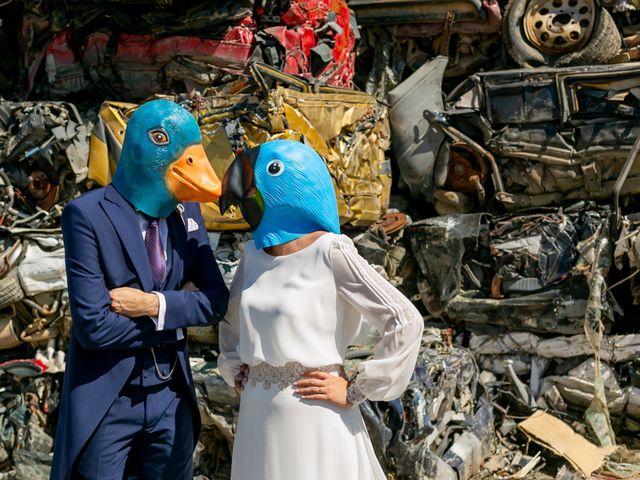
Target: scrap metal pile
{"points": [[483, 158]]}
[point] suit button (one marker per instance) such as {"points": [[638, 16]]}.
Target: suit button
{"points": [[144, 374], [164, 373]]}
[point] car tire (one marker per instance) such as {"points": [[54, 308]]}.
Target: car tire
{"points": [[604, 42]]}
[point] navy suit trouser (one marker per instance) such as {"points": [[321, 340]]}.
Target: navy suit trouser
{"points": [[147, 432]]}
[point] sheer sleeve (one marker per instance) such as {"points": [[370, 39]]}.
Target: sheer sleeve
{"points": [[229, 331], [386, 375]]}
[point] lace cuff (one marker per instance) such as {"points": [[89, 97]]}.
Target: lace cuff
{"points": [[355, 396]]}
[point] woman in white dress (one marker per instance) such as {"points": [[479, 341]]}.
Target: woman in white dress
{"points": [[296, 302]]}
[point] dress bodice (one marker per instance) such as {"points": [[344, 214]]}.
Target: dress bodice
{"points": [[289, 310], [307, 307]]}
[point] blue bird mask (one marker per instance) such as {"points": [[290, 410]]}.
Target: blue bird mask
{"points": [[163, 161], [284, 191]]}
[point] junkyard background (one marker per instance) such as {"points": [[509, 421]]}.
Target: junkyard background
{"points": [[483, 160]]}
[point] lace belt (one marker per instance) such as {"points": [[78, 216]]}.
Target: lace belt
{"points": [[283, 376]]}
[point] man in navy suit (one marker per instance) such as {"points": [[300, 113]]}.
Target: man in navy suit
{"points": [[140, 270]]}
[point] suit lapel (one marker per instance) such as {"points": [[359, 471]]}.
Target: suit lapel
{"points": [[178, 244], [127, 226]]}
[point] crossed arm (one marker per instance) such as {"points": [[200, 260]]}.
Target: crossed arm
{"points": [[120, 319], [134, 303]]}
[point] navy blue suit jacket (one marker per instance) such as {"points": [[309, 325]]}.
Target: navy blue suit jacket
{"points": [[104, 249]]}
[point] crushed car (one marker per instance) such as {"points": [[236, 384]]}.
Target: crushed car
{"points": [[538, 270], [44, 148], [465, 31], [133, 50], [488, 34], [521, 138], [349, 129]]}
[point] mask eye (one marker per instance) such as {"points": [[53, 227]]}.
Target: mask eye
{"points": [[159, 136], [275, 168]]}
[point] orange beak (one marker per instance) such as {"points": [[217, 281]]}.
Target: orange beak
{"points": [[192, 179]]}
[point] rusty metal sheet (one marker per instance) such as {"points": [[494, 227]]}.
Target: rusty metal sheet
{"points": [[418, 11], [349, 129]]}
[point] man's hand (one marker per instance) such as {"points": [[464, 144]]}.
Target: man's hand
{"points": [[133, 302], [190, 287], [319, 385]]}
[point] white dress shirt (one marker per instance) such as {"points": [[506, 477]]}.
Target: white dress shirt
{"points": [[164, 239]]}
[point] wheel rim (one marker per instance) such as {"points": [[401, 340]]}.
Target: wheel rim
{"points": [[559, 26]]}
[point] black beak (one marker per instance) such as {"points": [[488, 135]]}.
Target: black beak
{"points": [[239, 188]]}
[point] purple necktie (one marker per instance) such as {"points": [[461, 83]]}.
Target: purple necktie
{"points": [[154, 251]]}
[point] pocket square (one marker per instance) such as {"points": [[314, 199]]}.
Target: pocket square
{"points": [[192, 225]]}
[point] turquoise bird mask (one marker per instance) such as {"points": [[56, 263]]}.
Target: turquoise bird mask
{"points": [[284, 191], [163, 161]]}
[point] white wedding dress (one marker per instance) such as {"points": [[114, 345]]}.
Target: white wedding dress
{"points": [[299, 310]]}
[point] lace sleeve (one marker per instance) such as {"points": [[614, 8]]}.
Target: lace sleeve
{"points": [[386, 375]]}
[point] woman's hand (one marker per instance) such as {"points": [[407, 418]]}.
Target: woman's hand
{"points": [[241, 378], [323, 386]]}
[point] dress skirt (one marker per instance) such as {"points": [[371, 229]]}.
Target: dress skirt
{"points": [[282, 437]]}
